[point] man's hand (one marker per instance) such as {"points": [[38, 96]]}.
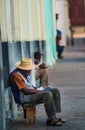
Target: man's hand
{"points": [[43, 66], [31, 91]]}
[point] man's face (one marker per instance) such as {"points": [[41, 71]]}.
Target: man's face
{"points": [[26, 73], [37, 60]]}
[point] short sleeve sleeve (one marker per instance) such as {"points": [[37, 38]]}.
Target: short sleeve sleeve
{"points": [[18, 81]]}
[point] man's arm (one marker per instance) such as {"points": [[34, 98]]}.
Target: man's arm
{"points": [[20, 83], [43, 66], [30, 91]]}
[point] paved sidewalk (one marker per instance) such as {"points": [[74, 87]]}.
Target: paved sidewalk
{"points": [[69, 76]]}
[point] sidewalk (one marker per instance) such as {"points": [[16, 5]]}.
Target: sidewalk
{"points": [[69, 76]]}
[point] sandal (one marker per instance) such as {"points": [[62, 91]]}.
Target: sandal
{"points": [[62, 120], [54, 122]]}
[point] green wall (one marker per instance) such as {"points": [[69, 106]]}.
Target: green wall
{"points": [[50, 33]]}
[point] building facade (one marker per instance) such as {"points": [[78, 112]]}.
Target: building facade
{"points": [[26, 26]]}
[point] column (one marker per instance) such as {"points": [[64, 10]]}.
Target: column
{"points": [[2, 105]]}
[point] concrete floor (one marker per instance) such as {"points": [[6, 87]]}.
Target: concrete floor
{"points": [[68, 75]]}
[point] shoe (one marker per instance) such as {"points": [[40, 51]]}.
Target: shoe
{"points": [[62, 120], [60, 57], [54, 122]]}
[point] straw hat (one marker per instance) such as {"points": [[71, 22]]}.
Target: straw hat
{"points": [[25, 64]]}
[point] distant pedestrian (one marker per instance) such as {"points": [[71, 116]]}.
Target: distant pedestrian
{"points": [[59, 47]]}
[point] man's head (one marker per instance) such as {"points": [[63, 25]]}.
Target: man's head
{"points": [[37, 54], [59, 33], [37, 57], [25, 66]]}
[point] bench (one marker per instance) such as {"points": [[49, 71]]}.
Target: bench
{"points": [[29, 113]]}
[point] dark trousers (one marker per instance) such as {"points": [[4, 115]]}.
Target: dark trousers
{"points": [[60, 50], [51, 100]]}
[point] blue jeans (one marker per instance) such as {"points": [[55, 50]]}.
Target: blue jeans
{"points": [[60, 50]]}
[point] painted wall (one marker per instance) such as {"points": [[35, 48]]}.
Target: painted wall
{"points": [[29, 20], [23, 19], [50, 32]]}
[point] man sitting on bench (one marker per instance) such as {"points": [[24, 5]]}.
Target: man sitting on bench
{"points": [[24, 92]]}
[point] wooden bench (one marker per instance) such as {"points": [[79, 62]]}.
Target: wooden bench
{"points": [[29, 113]]}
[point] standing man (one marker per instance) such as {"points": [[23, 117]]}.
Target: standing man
{"points": [[59, 46]]}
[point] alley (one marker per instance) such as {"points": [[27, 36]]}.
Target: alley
{"points": [[69, 76]]}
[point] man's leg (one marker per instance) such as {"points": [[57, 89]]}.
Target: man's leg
{"points": [[46, 98], [43, 76], [57, 99], [60, 51], [57, 102]]}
